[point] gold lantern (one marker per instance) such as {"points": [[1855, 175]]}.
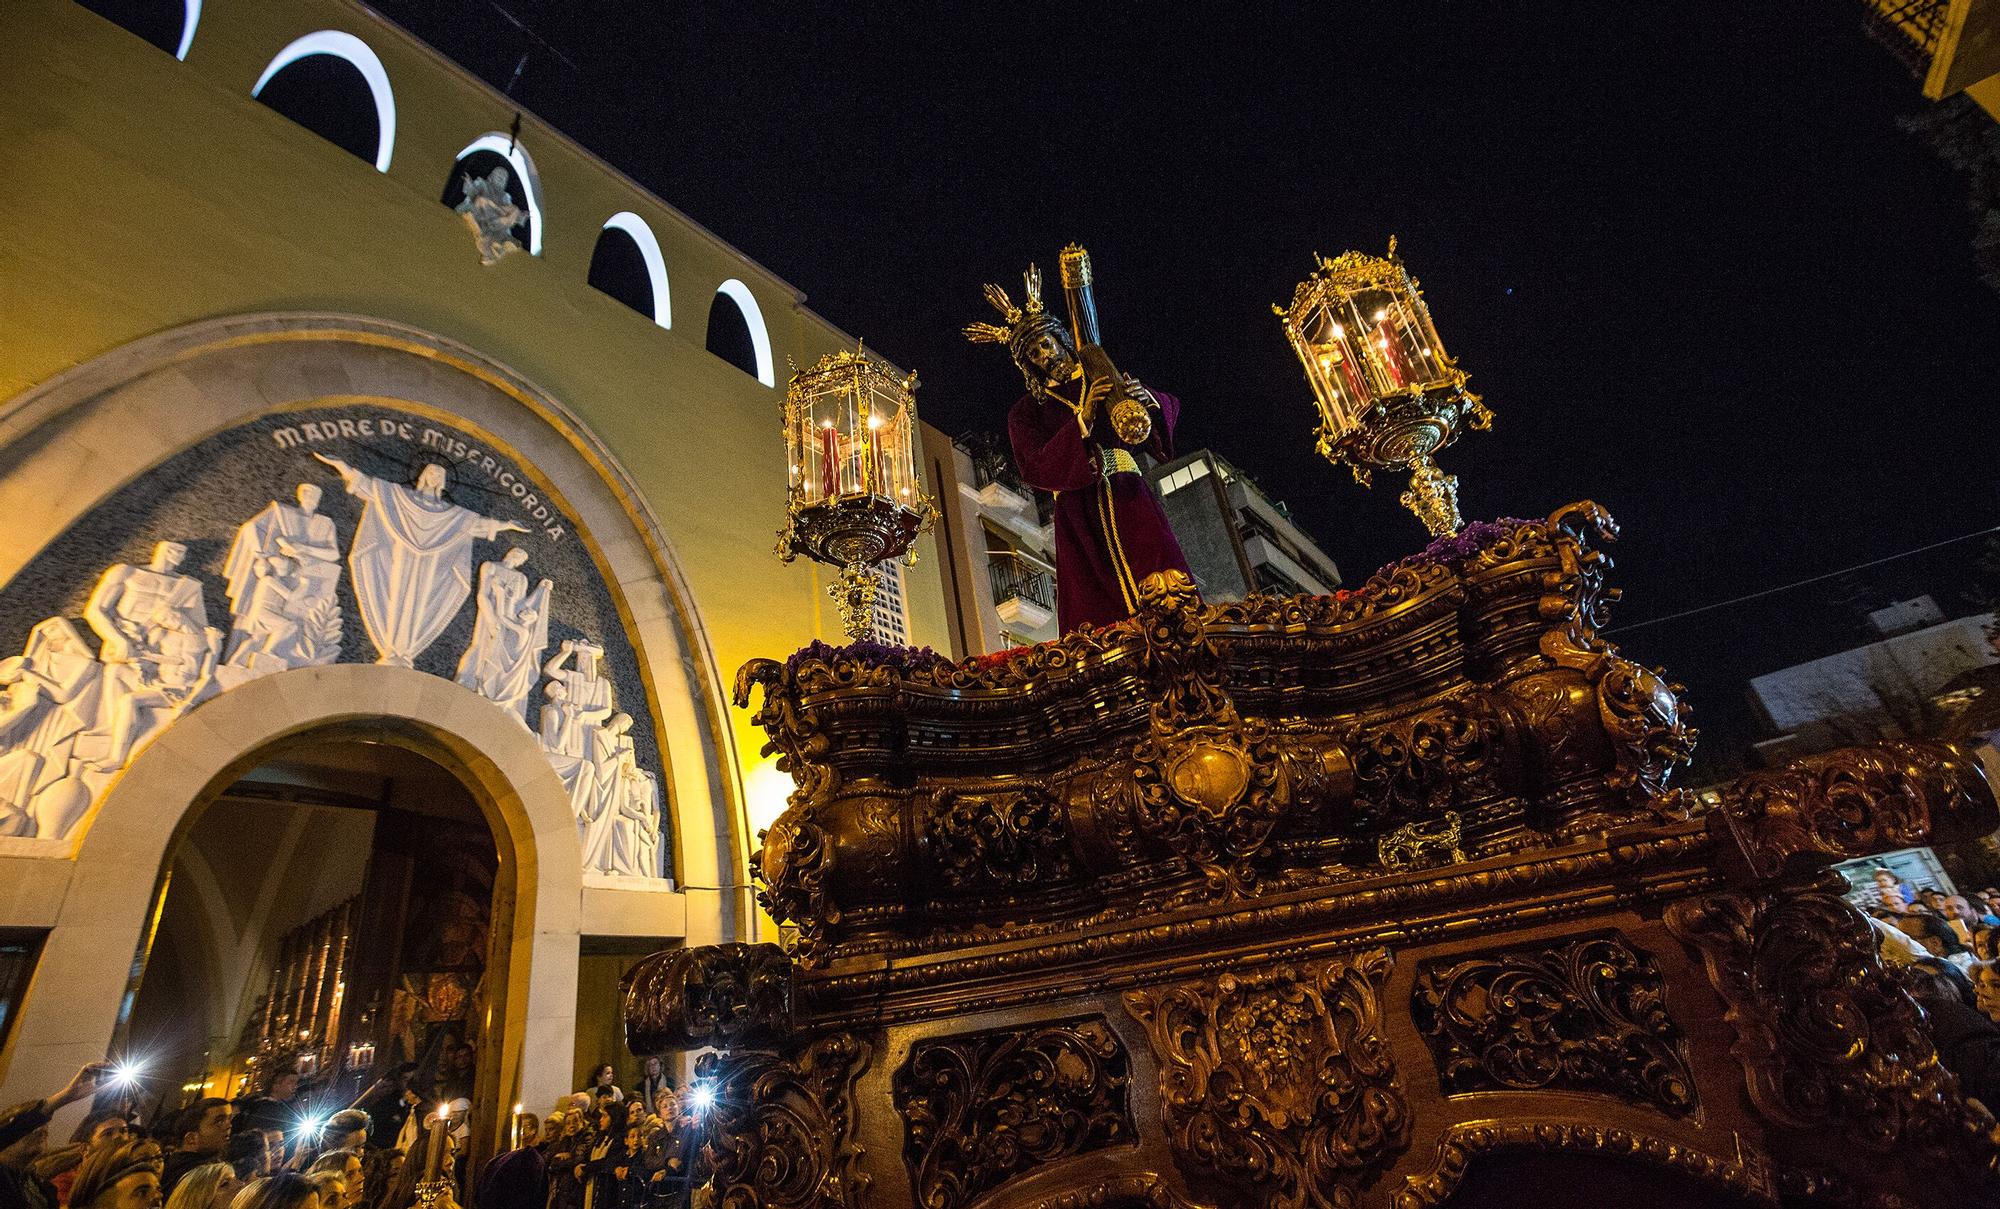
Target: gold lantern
{"points": [[1389, 397], [853, 498]]}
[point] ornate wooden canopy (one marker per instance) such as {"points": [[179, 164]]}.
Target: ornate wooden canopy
{"points": [[1314, 901]]}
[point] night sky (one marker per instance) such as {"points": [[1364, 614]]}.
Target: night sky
{"points": [[1685, 252]]}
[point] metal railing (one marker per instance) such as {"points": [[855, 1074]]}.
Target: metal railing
{"points": [[1015, 578], [1909, 29]]}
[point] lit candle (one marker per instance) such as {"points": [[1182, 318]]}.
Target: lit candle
{"points": [[515, 1133], [829, 461], [440, 1128], [1386, 339]]}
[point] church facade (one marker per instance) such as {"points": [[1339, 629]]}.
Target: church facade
{"points": [[308, 476]]}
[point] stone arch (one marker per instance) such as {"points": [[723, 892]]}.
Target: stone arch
{"points": [[118, 870], [70, 443]]}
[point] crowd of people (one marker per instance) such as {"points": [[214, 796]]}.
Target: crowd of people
{"points": [[604, 1147], [1949, 946]]}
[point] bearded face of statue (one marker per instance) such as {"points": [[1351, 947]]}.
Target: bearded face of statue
{"points": [[1048, 360]]}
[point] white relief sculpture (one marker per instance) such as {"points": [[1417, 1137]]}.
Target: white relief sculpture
{"points": [[508, 636], [72, 718], [561, 731], [157, 648], [50, 699], [491, 214], [411, 558], [609, 755], [638, 854], [281, 576]]}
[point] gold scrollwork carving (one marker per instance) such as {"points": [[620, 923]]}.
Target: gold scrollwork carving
{"points": [[779, 1132], [1275, 1083], [979, 1109], [1587, 1014], [1747, 1175], [1828, 1038]]}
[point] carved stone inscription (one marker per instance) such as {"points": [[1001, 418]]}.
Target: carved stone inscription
{"points": [[1579, 1015], [981, 1108], [1275, 1084]]}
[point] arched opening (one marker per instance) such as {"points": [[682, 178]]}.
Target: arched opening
{"points": [[627, 265], [332, 84], [167, 24], [328, 914], [736, 331], [524, 185]]}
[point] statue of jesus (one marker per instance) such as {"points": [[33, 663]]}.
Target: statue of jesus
{"points": [[1070, 438], [411, 558]]}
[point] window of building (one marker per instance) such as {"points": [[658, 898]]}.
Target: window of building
{"points": [[628, 266], [736, 331], [167, 24], [891, 620], [524, 186], [20, 949], [332, 84], [1180, 478]]}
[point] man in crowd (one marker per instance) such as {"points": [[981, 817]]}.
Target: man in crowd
{"points": [[121, 1176], [24, 1132], [199, 1134]]}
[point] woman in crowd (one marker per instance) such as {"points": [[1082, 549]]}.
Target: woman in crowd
{"points": [[209, 1186], [285, 1190]]}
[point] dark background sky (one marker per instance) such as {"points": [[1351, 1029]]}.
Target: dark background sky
{"points": [[1684, 251]]}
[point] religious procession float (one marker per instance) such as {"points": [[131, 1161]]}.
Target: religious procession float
{"points": [[1384, 898]]}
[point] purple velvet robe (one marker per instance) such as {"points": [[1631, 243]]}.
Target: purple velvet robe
{"points": [[1110, 533]]}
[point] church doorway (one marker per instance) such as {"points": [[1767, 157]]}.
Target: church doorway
{"points": [[328, 915]]}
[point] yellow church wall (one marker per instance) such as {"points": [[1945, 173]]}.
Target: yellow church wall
{"points": [[149, 193]]}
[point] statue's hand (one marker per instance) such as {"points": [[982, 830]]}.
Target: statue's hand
{"points": [[509, 527]]}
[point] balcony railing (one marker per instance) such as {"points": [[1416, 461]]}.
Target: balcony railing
{"points": [[1910, 29], [1017, 579]]}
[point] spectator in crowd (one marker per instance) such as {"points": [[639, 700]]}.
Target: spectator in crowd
{"points": [[273, 1109], [1968, 1044], [209, 1186], [388, 1103], [345, 1167], [100, 1128], [121, 1176], [198, 1137], [654, 1082], [249, 1155], [567, 1155], [604, 1082], [24, 1133], [515, 1179], [460, 1066], [285, 1190], [1891, 891], [622, 1177], [1958, 914]]}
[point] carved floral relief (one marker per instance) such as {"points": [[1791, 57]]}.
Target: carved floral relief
{"points": [[979, 1109], [1586, 1015], [1275, 1084]]}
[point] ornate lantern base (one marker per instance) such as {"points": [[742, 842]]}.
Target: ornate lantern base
{"points": [[854, 533]]}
